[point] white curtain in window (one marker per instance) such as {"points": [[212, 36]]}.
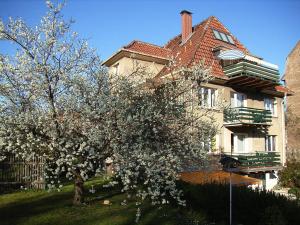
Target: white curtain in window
{"points": [[271, 143], [270, 105], [239, 143], [207, 97], [238, 100]]}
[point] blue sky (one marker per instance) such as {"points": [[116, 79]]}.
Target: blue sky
{"points": [[269, 28]]}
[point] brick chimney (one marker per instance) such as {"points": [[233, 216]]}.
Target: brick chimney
{"points": [[186, 25]]}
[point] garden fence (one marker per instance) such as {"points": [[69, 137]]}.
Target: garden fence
{"points": [[18, 173]]}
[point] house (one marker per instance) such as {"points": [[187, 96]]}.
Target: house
{"points": [[252, 126], [292, 80]]}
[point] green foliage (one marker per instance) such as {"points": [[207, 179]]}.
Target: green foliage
{"points": [[290, 175], [249, 207], [272, 216], [295, 191]]}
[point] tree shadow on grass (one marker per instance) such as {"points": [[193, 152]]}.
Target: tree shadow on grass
{"points": [[56, 208], [18, 211]]}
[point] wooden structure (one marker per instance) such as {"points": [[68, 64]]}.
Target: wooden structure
{"points": [[15, 172]]}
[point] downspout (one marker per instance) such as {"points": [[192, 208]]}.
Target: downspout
{"points": [[284, 132]]}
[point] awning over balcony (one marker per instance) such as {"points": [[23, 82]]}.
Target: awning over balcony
{"points": [[251, 74]]}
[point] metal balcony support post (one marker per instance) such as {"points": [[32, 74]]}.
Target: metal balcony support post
{"points": [[230, 200]]}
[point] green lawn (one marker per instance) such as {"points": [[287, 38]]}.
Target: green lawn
{"points": [[55, 208], [204, 203]]}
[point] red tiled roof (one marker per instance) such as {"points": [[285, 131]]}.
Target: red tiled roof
{"points": [[284, 89], [148, 49], [199, 46]]}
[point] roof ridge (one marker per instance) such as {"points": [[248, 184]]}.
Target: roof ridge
{"points": [[146, 43]]}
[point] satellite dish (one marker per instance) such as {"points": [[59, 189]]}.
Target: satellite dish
{"points": [[231, 55]]}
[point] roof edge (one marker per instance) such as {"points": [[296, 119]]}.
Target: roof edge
{"points": [[115, 55]]}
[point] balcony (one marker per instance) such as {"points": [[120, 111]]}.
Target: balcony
{"points": [[252, 75], [256, 162], [241, 116]]}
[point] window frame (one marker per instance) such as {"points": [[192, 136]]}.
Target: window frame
{"points": [[270, 141], [116, 69], [210, 100], [230, 39], [271, 104], [223, 37], [217, 34], [245, 143], [235, 98], [209, 144]]}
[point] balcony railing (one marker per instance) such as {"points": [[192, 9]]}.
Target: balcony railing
{"points": [[257, 160], [247, 115]]}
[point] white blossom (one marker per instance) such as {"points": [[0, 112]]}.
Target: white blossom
{"points": [[58, 102]]}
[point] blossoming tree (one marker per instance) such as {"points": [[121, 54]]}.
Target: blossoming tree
{"points": [[57, 101], [53, 99], [159, 130]]}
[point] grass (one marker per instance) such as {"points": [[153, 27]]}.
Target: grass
{"points": [[204, 203], [55, 208]]}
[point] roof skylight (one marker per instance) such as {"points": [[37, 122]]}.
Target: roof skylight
{"points": [[230, 39], [223, 37], [217, 34]]}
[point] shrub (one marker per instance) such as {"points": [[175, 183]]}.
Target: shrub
{"points": [[248, 206]]}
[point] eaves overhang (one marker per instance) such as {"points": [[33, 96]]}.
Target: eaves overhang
{"points": [[135, 55]]}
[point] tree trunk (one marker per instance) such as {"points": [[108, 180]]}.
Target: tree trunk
{"points": [[78, 190]]}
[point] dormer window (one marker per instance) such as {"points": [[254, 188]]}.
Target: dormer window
{"points": [[223, 37]]}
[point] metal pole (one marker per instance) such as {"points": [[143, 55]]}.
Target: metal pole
{"points": [[230, 201]]}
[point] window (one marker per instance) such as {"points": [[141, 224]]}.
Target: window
{"points": [[238, 100], [270, 142], [217, 35], [270, 104], [230, 39], [223, 37], [206, 145], [207, 97], [209, 144], [116, 69], [239, 143]]}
